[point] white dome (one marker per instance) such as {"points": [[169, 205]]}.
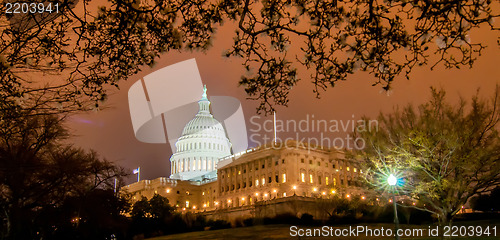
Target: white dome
{"points": [[202, 143]]}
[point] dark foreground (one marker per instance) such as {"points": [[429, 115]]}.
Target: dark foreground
{"points": [[283, 232]]}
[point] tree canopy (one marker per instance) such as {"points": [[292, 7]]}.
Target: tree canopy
{"points": [[63, 62], [443, 154]]}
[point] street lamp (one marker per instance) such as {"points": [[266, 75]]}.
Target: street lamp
{"points": [[392, 181]]}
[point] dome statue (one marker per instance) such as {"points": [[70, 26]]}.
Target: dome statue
{"points": [[202, 143]]}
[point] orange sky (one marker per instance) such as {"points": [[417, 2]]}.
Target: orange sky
{"points": [[110, 133]]}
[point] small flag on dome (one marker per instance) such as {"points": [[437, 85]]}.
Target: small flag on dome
{"points": [[137, 170]]}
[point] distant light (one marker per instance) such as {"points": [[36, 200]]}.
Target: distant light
{"points": [[294, 187], [183, 209], [324, 193], [256, 194], [348, 196], [168, 190], [363, 197], [392, 180], [194, 207], [333, 191], [229, 200], [414, 204], [274, 190], [204, 205], [216, 203], [315, 189], [242, 199]]}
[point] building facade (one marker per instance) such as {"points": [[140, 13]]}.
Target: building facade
{"points": [[206, 177]]}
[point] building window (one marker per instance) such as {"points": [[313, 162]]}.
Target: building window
{"points": [[303, 177], [319, 180], [310, 161], [302, 160], [283, 178], [276, 163], [263, 180], [256, 182], [283, 161], [310, 178], [334, 182], [326, 181], [333, 165], [277, 178], [347, 168], [319, 164], [355, 170]]}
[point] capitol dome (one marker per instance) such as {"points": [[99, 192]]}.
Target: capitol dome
{"points": [[202, 143]]}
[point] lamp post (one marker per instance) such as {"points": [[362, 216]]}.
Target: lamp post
{"points": [[392, 181]]}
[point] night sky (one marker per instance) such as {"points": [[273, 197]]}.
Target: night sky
{"points": [[109, 131]]}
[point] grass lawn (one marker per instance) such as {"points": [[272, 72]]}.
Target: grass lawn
{"points": [[283, 232]]}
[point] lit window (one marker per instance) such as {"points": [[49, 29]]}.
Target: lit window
{"points": [[303, 177], [355, 170], [239, 172], [310, 178], [187, 204], [284, 194], [347, 168], [256, 182], [334, 182], [263, 181], [326, 180], [284, 178]]}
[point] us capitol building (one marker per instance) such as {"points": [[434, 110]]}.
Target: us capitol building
{"points": [[267, 180]]}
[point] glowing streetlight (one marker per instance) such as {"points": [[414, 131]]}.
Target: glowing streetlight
{"points": [[392, 181]]}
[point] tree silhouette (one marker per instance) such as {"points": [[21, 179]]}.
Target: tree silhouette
{"points": [[64, 62], [442, 154], [37, 171]]}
